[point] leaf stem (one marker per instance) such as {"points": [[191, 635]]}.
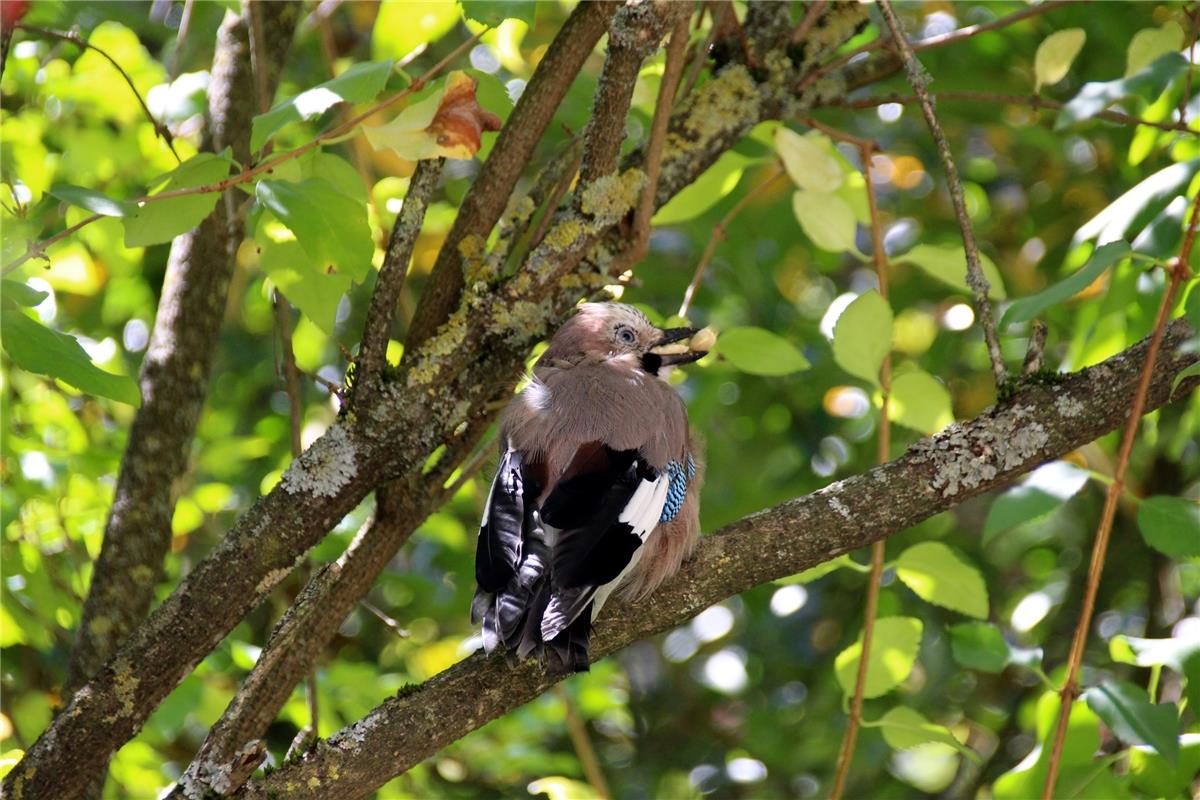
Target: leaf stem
{"points": [[1070, 689]]}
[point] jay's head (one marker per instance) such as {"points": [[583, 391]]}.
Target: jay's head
{"points": [[616, 330]]}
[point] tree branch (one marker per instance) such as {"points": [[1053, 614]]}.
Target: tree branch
{"points": [[174, 374], [372, 352], [490, 192], [935, 474], [919, 79]]}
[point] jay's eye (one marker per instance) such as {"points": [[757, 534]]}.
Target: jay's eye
{"points": [[626, 335]]}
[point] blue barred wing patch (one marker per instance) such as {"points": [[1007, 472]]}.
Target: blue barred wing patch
{"points": [[680, 476]]}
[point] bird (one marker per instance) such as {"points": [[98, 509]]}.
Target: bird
{"points": [[596, 489]]}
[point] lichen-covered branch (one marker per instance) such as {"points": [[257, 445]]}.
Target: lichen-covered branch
{"points": [[174, 375], [493, 187], [372, 351], [937, 473]]}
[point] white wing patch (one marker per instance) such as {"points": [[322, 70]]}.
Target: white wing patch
{"points": [[645, 506]]}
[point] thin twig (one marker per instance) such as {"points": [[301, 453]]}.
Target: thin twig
{"points": [[719, 232], [1035, 351], [994, 98], [468, 469], [1070, 691], [918, 78], [383, 617], [247, 175], [582, 743], [654, 146], [701, 55], [185, 24], [866, 149], [958, 35], [808, 21], [67, 36], [38, 250]]}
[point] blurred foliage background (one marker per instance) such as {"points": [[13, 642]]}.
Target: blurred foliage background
{"points": [[743, 700]]}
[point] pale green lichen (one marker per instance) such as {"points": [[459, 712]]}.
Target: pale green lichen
{"points": [[966, 456], [324, 468], [475, 263], [564, 234], [611, 197], [435, 351], [722, 105], [125, 685]]}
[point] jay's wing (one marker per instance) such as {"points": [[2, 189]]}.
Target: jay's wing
{"points": [[605, 506]]}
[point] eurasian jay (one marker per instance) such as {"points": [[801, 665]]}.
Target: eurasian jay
{"points": [[597, 486]]}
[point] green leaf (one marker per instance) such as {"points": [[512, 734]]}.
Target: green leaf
{"points": [[93, 201], [1149, 44], [35, 348], [862, 337], [401, 28], [948, 264], [1029, 307], [1127, 710], [306, 285], [21, 294], [894, 647], [920, 401], [1184, 374], [1171, 525], [1147, 84], [1055, 54], [826, 219], [904, 727], [760, 352], [493, 12], [1126, 216], [1156, 778], [808, 161], [980, 646], [330, 226], [1015, 506], [161, 221], [940, 576], [820, 570], [358, 84], [713, 185]]}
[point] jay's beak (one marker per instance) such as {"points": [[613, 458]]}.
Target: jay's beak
{"points": [[674, 348]]}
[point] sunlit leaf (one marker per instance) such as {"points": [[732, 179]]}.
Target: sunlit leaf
{"points": [[905, 727], [820, 570], [449, 124], [402, 26], [1029, 307], [316, 292], [807, 160], [21, 294], [713, 185], [330, 226], [1149, 44], [760, 352], [1154, 776], [35, 348], [163, 220], [862, 337], [358, 84], [560, 788], [1055, 54], [1126, 216], [939, 575], [826, 219], [1183, 374], [1126, 709], [948, 263], [1147, 84], [920, 401], [1171, 525], [894, 646]]}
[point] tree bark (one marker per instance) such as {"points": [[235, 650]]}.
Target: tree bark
{"points": [[1039, 423]]}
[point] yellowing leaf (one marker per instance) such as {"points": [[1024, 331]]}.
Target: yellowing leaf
{"points": [[807, 160], [938, 575], [826, 219], [1150, 43], [448, 124], [403, 26], [559, 788], [1055, 54], [894, 648]]}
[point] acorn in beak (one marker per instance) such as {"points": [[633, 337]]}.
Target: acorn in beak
{"points": [[682, 346]]}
